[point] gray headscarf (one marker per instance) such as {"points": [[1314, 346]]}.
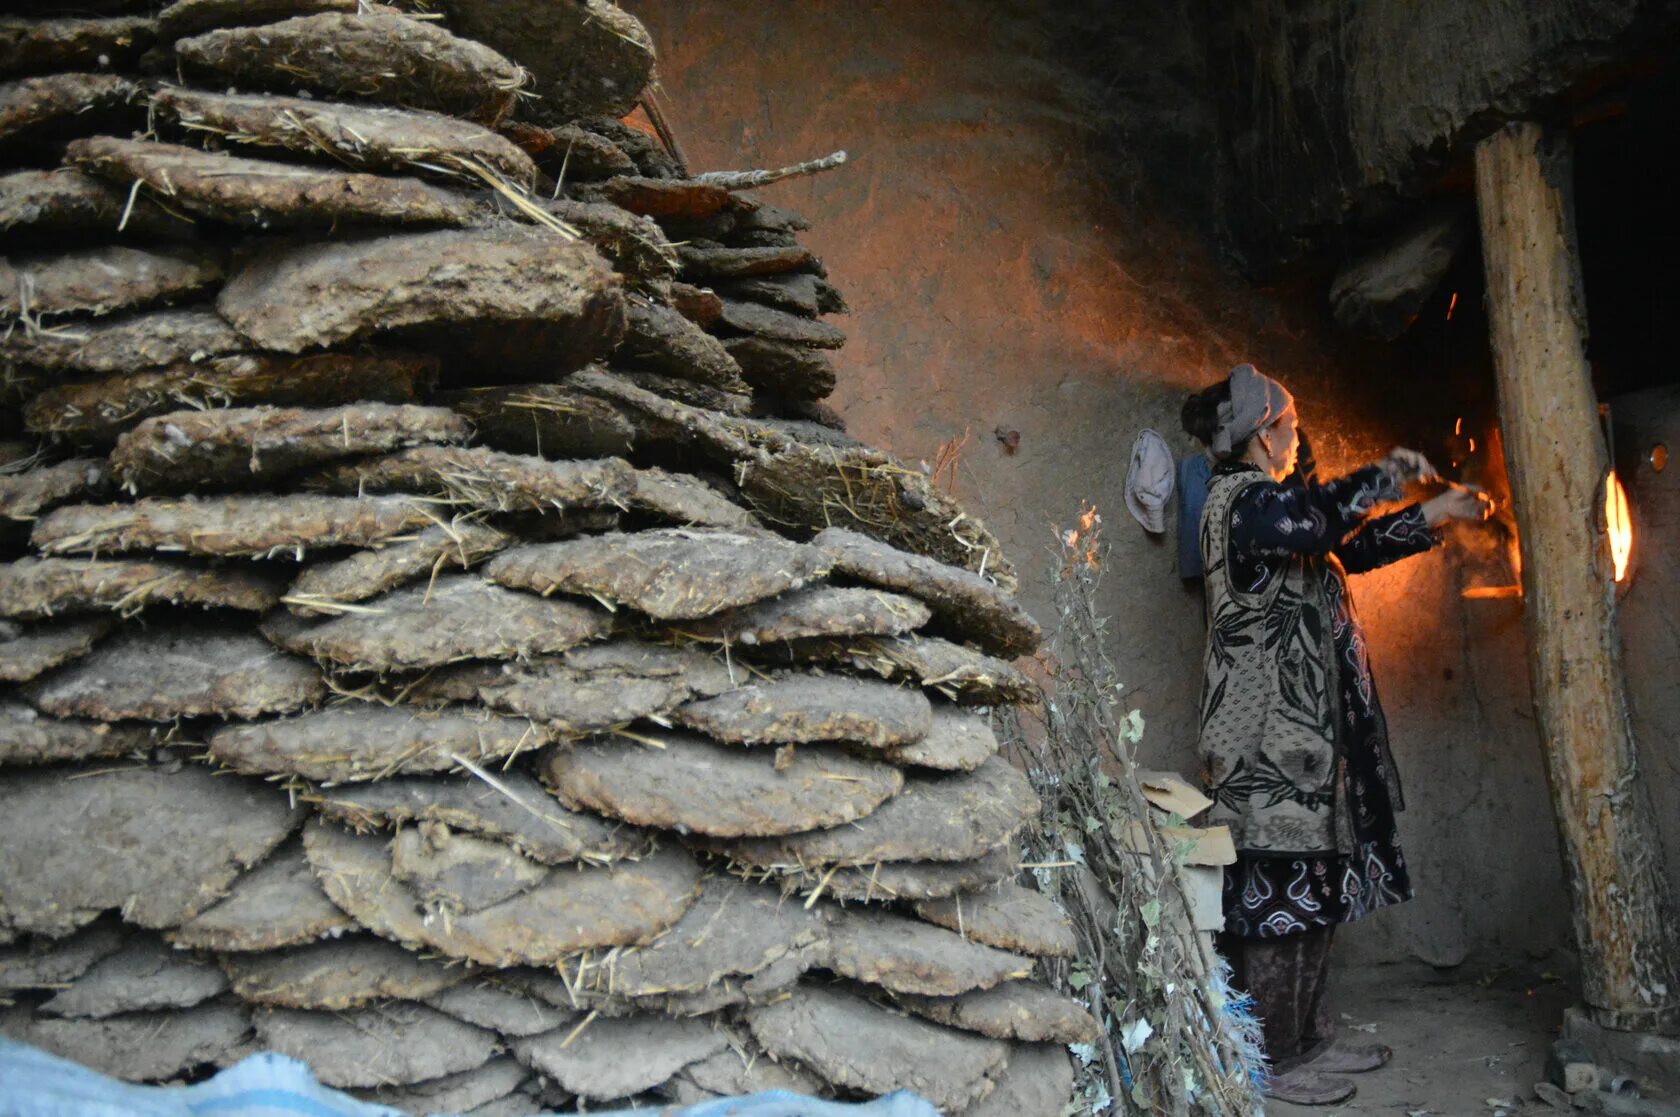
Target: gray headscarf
{"points": [[1257, 401]]}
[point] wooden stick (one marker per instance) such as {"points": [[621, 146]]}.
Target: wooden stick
{"points": [[747, 180], [656, 116], [1558, 462]]}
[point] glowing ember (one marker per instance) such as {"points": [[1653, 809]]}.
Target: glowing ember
{"points": [[1619, 523], [1458, 427], [1451, 304]]}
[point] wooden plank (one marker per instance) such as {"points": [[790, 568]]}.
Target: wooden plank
{"points": [[1558, 461]]}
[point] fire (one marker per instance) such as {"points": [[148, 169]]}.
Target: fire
{"points": [[1619, 523], [1451, 305], [1082, 541]]}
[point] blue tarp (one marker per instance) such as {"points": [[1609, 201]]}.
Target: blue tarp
{"points": [[36, 1084]]}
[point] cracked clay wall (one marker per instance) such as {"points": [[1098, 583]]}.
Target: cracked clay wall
{"points": [[1001, 275]]}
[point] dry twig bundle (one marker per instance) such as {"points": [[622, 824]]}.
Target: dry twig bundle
{"points": [[1177, 1039]]}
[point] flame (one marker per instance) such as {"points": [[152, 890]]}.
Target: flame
{"points": [[1619, 523], [1451, 304], [1081, 541]]}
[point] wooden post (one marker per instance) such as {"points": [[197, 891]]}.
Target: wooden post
{"points": [[1557, 460]]}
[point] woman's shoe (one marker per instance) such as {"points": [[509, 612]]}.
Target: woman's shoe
{"points": [[1350, 1058], [1304, 1086]]}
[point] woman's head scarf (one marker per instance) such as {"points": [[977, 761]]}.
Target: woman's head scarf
{"points": [[1257, 401]]}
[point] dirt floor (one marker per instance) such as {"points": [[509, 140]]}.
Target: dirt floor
{"points": [[1462, 1038]]}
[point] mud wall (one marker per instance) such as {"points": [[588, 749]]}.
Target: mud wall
{"points": [[1002, 275]]}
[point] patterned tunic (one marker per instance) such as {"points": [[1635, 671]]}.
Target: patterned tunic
{"points": [[1278, 893]]}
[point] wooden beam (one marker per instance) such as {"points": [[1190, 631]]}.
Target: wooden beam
{"points": [[1557, 460]]}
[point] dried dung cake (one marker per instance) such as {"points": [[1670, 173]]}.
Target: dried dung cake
{"points": [[686, 501], [57, 106], [487, 480], [970, 606], [731, 1074], [1037, 1083], [157, 844], [593, 1063], [898, 880], [733, 931], [103, 280], [263, 194], [734, 263], [455, 617], [1007, 916], [796, 292], [146, 975], [670, 573], [370, 56], [684, 782], [945, 817], [780, 369], [23, 496], [36, 206], [779, 325], [190, 17], [35, 588], [366, 137], [796, 709], [596, 57], [508, 806], [500, 1008], [959, 673], [957, 741], [122, 343], [27, 652], [30, 737], [587, 689], [179, 671], [38, 46], [51, 963], [460, 874], [340, 974], [323, 589], [469, 282], [542, 419], [906, 955], [860, 1046], [1020, 1010], [574, 909], [249, 526], [277, 904], [99, 410], [391, 1044], [146, 1046], [465, 1092], [256, 445], [814, 612], [662, 198], [368, 740], [660, 340]]}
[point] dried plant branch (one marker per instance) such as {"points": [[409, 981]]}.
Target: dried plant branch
{"points": [[1178, 1039], [747, 180]]}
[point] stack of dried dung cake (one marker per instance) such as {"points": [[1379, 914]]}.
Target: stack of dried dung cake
{"points": [[443, 636]]}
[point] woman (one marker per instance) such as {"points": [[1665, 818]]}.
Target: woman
{"points": [[1292, 734]]}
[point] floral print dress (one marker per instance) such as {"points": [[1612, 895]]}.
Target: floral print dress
{"points": [[1273, 894]]}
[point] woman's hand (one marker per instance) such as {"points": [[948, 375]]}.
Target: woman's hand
{"points": [[1403, 465], [1459, 502]]}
